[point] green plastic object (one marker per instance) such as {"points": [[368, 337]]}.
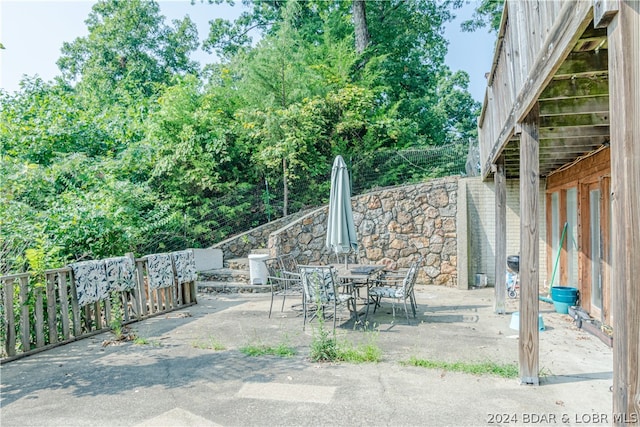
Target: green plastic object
{"points": [[555, 267]]}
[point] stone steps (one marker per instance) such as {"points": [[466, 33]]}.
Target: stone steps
{"points": [[233, 278], [225, 275], [238, 264], [230, 287]]}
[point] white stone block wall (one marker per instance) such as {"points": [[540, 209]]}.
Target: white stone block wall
{"points": [[481, 227]]}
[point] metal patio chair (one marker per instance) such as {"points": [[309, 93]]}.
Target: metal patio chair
{"points": [[289, 265], [321, 293], [398, 288], [283, 284]]}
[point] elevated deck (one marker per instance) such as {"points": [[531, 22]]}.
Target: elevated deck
{"points": [[548, 53], [563, 94]]}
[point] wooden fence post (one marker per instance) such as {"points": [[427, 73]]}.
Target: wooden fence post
{"points": [[9, 317]]}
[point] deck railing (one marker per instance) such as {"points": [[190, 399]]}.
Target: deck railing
{"points": [[41, 311], [528, 29]]}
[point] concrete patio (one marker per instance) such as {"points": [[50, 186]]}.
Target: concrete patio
{"points": [[176, 380]]}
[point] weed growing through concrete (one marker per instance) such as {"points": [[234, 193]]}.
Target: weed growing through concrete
{"points": [[283, 349], [145, 341], [508, 370], [362, 353], [116, 314], [367, 351], [326, 347], [280, 350], [210, 344], [544, 372]]}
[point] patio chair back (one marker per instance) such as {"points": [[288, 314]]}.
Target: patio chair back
{"points": [[409, 282], [398, 289], [274, 268], [321, 293], [289, 263], [282, 283], [318, 283]]}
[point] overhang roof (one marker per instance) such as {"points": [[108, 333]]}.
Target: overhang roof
{"points": [[574, 108]]}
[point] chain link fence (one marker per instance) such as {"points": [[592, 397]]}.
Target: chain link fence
{"points": [[252, 205], [264, 202]]}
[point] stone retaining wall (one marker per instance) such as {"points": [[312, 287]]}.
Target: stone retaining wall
{"points": [[393, 225], [257, 238]]}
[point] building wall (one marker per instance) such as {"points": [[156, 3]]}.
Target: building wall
{"points": [[590, 173], [481, 227]]}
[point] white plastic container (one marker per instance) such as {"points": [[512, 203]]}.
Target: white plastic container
{"points": [[257, 269]]}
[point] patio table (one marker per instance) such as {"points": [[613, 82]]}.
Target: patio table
{"points": [[357, 277]]}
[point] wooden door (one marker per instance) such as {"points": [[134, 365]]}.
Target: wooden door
{"points": [[595, 253], [595, 228]]}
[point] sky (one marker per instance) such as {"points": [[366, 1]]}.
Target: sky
{"points": [[33, 32]]}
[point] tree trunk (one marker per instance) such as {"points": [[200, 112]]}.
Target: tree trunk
{"points": [[360, 24]]}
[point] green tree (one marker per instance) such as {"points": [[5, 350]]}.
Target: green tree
{"points": [[487, 14], [404, 68], [129, 53], [194, 156], [134, 149], [192, 137], [44, 119]]}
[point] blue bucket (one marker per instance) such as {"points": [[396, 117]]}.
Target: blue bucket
{"points": [[561, 307], [563, 297], [564, 294]]}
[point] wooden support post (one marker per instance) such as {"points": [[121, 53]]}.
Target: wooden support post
{"points": [[97, 315], [86, 316], [108, 312], [562, 271], [605, 220], [584, 266], [529, 243], [141, 289], [548, 240], [192, 292], [124, 301], [624, 90], [500, 184]]}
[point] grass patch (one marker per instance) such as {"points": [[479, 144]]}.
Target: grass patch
{"points": [[508, 370], [362, 353], [281, 350], [210, 344], [145, 341], [325, 347]]}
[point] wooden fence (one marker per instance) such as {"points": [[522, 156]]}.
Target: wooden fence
{"points": [[38, 312]]}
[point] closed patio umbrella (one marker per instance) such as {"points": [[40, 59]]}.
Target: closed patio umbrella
{"points": [[341, 231]]}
